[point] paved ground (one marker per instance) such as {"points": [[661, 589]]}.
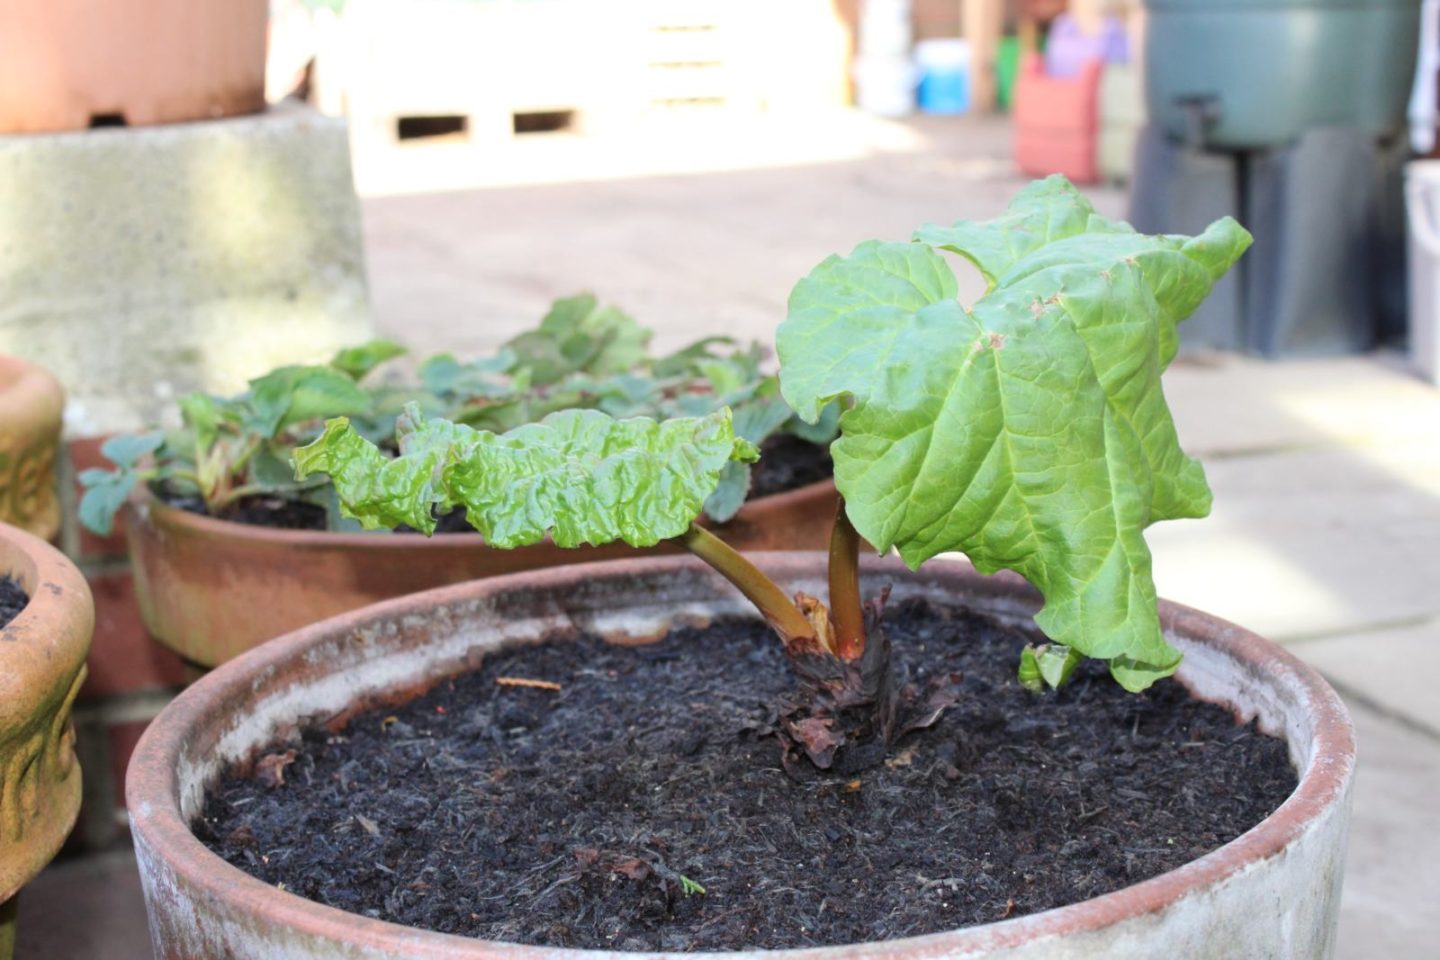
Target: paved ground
{"points": [[1326, 531]]}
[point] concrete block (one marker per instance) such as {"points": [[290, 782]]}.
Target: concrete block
{"points": [[142, 263]]}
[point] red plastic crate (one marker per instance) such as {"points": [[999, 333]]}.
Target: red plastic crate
{"points": [[1057, 121]]}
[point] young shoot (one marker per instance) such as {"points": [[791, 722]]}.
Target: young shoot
{"points": [[1027, 430]]}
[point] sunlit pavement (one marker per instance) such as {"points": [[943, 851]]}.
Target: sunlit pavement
{"points": [[1326, 528]]}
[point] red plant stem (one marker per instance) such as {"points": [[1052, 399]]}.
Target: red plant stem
{"points": [[773, 603], [846, 612]]}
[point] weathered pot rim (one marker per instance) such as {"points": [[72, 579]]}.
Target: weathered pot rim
{"points": [[152, 509], [48, 573], [153, 781]]}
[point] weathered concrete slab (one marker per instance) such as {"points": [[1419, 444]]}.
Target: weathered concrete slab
{"points": [[140, 263], [1397, 670]]}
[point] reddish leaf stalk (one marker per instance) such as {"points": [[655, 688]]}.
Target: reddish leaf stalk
{"points": [[773, 603], [846, 608]]}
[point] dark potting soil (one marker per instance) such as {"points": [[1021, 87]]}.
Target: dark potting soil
{"points": [[592, 815], [787, 463], [12, 600]]}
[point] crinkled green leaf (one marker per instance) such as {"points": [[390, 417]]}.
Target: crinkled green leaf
{"points": [[127, 449], [1030, 431], [357, 362], [578, 476], [579, 335]]}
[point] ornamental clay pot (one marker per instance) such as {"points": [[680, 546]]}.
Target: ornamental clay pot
{"points": [[31, 404], [212, 589], [42, 665], [1272, 892]]}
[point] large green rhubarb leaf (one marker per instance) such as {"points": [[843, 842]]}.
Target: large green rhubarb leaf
{"points": [[1028, 431], [578, 476]]}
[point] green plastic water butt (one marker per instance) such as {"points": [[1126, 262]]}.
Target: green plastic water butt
{"points": [[1268, 70], [1007, 65]]}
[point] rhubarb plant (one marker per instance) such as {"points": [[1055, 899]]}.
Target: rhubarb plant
{"points": [[1027, 430]]}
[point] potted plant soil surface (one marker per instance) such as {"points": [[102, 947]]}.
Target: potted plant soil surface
{"points": [[227, 554], [46, 620], [620, 756]]}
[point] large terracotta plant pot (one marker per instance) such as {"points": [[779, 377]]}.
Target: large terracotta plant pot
{"points": [[72, 64], [31, 404], [211, 589], [42, 664], [1273, 892]]}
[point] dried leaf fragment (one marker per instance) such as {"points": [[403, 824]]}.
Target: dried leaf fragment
{"points": [[270, 769]]}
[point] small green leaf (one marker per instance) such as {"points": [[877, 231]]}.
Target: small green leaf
{"points": [[201, 415], [443, 375], [291, 395], [105, 494], [127, 450], [578, 476], [357, 362], [729, 496], [580, 336], [689, 887], [1049, 664]]}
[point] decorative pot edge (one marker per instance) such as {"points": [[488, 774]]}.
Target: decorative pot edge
{"points": [[1323, 789]]}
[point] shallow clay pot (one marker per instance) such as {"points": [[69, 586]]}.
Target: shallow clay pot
{"points": [[72, 64], [42, 664], [31, 404], [212, 589], [1273, 892]]}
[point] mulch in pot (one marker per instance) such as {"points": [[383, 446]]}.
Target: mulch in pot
{"points": [[592, 815], [13, 599]]}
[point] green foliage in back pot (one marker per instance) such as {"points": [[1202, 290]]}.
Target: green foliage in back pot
{"points": [[583, 355], [1028, 430]]}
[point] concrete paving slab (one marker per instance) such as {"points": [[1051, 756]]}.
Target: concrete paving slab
{"points": [[1395, 671], [1311, 542]]}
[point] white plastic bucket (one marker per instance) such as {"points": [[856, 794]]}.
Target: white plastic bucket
{"points": [[885, 87], [884, 30], [1422, 199]]}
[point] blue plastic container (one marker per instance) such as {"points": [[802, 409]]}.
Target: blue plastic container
{"points": [[944, 67]]}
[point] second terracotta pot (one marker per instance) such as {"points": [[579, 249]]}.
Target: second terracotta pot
{"points": [[211, 589]]}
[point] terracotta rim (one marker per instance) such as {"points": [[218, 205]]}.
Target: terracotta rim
{"points": [[166, 517], [153, 784], [45, 566]]}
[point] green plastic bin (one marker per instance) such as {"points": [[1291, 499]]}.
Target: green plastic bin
{"points": [[1262, 72]]}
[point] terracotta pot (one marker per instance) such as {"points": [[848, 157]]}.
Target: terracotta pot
{"points": [[1273, 892], [211, 589], [31, 405], [72, 64], [42, 664]]}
